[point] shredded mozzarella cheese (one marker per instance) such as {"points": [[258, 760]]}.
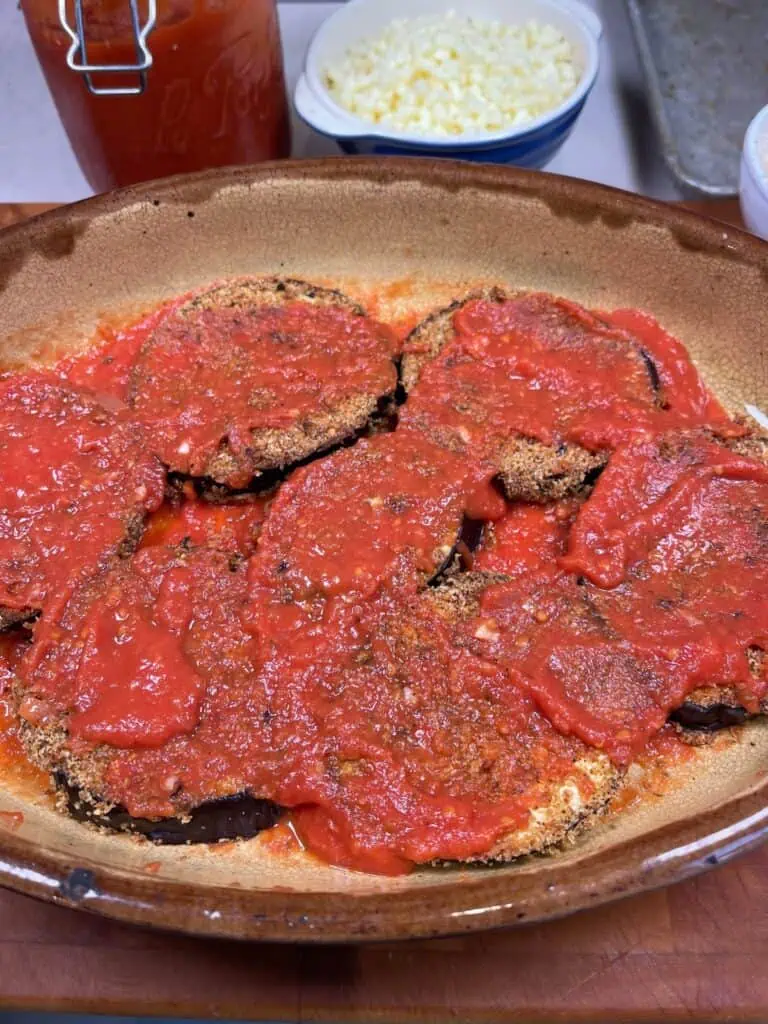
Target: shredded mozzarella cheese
{"points": [[453, 75]]}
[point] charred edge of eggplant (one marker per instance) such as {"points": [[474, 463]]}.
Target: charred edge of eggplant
{"points": [[233, 817], [708, 718], [209, 490], [655, 378], [471, 533], [15, 619], [400, 395], [383, 419], [592, 476], [467, 541]]}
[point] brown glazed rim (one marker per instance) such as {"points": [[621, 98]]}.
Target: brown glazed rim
{"points": [[492, 899], [55, 231]]}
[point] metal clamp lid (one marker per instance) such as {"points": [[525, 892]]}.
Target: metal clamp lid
{"points": [[77, 55]]}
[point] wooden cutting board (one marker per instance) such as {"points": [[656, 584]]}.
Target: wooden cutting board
{"points": [[697, 951], [14, 213]]}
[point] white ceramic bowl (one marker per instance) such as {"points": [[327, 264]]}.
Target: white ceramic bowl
{"points": [[753, 180], [530, 145]]}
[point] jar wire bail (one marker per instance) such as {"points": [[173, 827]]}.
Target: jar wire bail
{"points": [[77, 55]]}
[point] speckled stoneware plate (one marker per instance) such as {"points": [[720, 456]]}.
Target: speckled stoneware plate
{"points": [[434, 228]]}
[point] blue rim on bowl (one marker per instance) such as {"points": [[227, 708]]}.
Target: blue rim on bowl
{"points": [[531, 145]]}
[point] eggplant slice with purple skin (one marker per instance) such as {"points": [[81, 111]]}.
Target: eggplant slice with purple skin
{"points": [[711, 708], [459, 558], [708, 716], [233, 817]]}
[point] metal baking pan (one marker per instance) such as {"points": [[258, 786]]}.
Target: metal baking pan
{"points": [[706, 70]]}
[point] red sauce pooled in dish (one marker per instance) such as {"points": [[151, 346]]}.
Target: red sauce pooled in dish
{"points": [[527, 539], [13, 760], [229, 526], [105, 367], [317, 671]]}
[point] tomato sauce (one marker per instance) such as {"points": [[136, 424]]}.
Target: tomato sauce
{"points": [[679, 595], [105, 367], [213, 375], [392, 745], [74, 477], [453, 760], [215, 93], [289, 645], [229, 526], [339, 525], [683, 391], [527, 539], [642, 489], [545, 368], [128, 657]]}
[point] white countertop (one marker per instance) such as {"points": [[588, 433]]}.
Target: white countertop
{"points": [[613, 142]]}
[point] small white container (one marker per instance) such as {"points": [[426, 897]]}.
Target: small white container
{"points": [[753, 180], [530, 145]]}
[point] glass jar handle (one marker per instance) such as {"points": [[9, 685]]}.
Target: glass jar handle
{"points": [[77, 55]]}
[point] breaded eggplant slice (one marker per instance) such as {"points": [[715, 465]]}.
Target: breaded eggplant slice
{"points": [[429, 337], [439, 728], [575, 802], [12, 617], [231, 817], [530, 470], [732, 566], [566, 809], [540, 473], [343, 523], [87, 725], [456, 763], [79, 781], [752, 445], [78, 778], [710, 709], [257, 374], [76, 482]]}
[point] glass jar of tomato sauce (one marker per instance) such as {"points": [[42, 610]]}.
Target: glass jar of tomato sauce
{"points": [[213, 95]]}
